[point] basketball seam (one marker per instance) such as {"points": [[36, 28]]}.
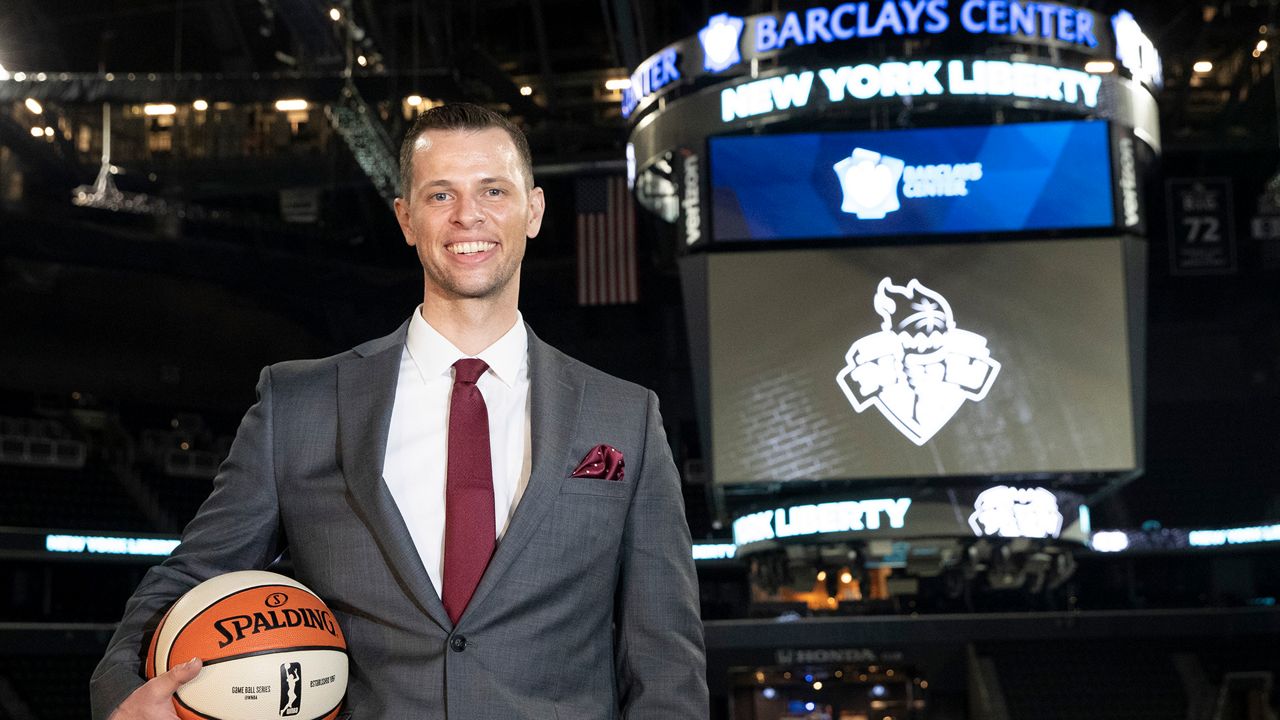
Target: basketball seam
{"points": [[168, 658], [270, 651], [193, 710]]}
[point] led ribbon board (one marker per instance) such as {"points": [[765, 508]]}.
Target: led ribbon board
{"points": [[995, 512], [729, 45], [1032, 176], [850, 84]]}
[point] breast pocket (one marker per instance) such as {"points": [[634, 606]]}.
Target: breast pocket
{"points": [[620, 489]]}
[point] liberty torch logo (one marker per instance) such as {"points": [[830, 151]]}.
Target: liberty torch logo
{"points": [[919, 369]]}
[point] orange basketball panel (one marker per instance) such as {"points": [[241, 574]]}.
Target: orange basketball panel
{"points": [[255, 620]]}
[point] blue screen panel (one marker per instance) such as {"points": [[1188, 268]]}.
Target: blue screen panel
{"points": [[998, 178]]}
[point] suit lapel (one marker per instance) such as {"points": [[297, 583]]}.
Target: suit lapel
{"points": [[366, 394], [555, 399]]}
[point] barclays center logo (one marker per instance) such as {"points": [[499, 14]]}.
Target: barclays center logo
{"points": [[720, 41], [871, 183], [919, 369]]}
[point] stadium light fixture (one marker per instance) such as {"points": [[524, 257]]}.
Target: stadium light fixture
{"points": [[291, 105], [1202, 66], [335, 14], [37, 132], [200, 105], [414, 100], [615, 84], [34, 106], [48, 131], [1099, 67], [154, 109], [526, 90]]}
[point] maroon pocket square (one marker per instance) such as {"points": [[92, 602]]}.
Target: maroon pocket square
{"points": [[603, 462]]}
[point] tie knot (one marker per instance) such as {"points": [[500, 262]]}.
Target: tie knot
{"points": [[468, 370]]}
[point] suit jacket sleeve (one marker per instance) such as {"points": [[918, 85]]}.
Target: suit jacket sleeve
{"points": [[660, 661], [237, 528]]}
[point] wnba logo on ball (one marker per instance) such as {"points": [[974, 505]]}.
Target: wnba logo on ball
{"points": [[290, 689]]}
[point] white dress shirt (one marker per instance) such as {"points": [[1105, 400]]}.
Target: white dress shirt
{"points": [[417, 446]]}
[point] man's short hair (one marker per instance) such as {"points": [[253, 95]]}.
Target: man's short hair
{"points": [[466, 117]]}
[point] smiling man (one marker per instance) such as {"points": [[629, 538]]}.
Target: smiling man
{"points": [[498, 528]]}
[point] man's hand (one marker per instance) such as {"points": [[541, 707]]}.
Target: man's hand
{"points": [[154, 700]]}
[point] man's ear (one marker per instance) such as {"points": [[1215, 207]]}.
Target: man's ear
{"points": [[402, 217], [537, 206]]}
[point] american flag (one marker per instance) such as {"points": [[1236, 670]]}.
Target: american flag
{"points": [[606, 242]]}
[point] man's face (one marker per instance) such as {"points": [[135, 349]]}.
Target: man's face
{"points": [[468, 212]]}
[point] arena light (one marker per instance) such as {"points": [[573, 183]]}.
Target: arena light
{"points": [[200, 105], [414, 100], [1261, 47], [1202, 66], [526, 90], [48, 131], [335, 14], [1099, 67], [34, 106], [362, 60], [291, 105], [154, 109], [616, 84], [1109, 541], [37, 132]]}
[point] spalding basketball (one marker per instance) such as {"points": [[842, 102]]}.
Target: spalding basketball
{"points": [[270, 649]]}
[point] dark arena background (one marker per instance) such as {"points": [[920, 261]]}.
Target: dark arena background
{"points": [[964, 314]]}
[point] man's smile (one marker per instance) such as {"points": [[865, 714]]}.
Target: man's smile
{"points": [[470, 247]]}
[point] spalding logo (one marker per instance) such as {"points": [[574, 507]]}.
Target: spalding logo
{"points": [[236, 627]]}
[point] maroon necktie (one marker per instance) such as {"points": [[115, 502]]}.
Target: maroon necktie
{"points": [[468, 523]]}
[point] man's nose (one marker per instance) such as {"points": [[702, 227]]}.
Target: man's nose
{"points": [[467, 212]]}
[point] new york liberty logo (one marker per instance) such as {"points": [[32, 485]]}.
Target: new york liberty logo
{"points": [[920, 368]]}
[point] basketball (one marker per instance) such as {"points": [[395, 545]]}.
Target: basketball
{"points": [[270, 649]]}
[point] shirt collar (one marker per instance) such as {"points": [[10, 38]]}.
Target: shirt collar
{"points": [[435, 355]]}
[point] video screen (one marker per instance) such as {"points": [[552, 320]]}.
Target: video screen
{"points": [[921, 361], [998, 178]]}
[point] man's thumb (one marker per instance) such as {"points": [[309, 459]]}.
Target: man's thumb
{"points": [[184, 673]]}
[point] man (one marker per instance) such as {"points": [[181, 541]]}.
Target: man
{"points": [[587, 606]]}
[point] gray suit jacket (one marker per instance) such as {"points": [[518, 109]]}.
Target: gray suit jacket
{"points": [[589, 607]]}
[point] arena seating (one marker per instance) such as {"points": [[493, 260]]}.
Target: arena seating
{"points": [[57, 498], [49, 687]]}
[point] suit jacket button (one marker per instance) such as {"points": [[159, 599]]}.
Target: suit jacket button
{"points": [[458, 643]]}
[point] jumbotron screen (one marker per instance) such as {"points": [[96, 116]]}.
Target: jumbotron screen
{"points": [[923, 361], [998, 178]]}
